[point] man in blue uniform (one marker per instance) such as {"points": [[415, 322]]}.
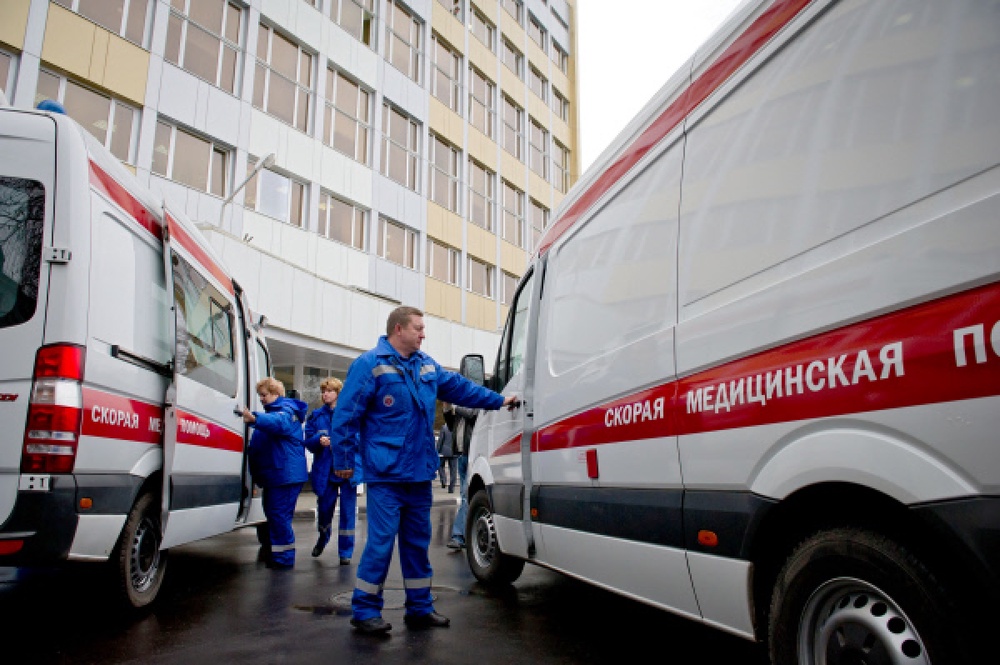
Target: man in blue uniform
{"points": [[390, 399]]}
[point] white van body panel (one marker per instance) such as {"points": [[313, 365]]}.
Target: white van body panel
{"points": [[771, 310], [95, 537]]}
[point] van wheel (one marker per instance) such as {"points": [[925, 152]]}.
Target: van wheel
{"points": [[852, 596], [488, 563], [140, 562]]}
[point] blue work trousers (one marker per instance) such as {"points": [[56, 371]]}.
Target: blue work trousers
{"points": [[458, 529], [279, 509], [403, 510], [326, 504]]}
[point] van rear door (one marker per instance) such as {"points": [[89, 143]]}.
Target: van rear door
{"points": [[27, 180], [203, 452]]}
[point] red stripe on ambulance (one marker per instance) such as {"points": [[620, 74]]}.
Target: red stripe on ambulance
{"points": [[184, 239], [196, 431], [116, 417], [942, 351], [114, 191]]}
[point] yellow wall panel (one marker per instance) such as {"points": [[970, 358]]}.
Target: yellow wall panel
{"points": [[561, 132], [444, 300], [489, 9], [13, 22], [512, 86], [538, 109], [482, 149], [481, 244], [512, 169], [480, 312], [510, 28], [482, 58], [448, 26], [69, 41], [539, 188], [445, 122], [513, 259], [538, 57], [560, 81], [77, 46], [444, 225]]}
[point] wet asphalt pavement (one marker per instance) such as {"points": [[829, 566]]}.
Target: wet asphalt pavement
{"points": [[220, 604]]}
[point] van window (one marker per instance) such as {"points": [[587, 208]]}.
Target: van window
{"points": [[515, 336], [204, 330], [22, 216]]}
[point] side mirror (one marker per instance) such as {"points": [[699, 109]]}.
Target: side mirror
{"points": [[473, 368]]}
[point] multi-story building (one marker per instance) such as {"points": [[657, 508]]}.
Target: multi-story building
{"points": [[400, 151]]}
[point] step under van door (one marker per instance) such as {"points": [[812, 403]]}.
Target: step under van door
{"points": [[204, 442]]}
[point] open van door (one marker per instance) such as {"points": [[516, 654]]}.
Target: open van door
{"points": [[203, 443]]}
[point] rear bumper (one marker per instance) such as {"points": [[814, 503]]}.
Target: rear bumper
{"points": [[45, 523]]}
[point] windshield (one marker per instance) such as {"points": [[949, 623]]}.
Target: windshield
{"points": [[22, 213]]}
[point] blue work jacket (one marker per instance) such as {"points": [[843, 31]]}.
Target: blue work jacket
{"points": [[277, 453], [321, 473], [390, 401]]}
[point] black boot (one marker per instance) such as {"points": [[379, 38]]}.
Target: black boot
{"points": [[324, 538]]}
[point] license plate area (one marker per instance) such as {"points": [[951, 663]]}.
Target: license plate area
{"points": [[36, 482]]}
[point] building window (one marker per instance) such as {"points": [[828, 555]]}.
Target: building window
{"points": [[482, 195], [190, 159], [509, 288], [515, 9], [480, 277], [482, 29], [560, 167], [538, 83], [538, 149], [538, 217], [205, 38], [445, 74], [275, 195], [559, 57], [397, 243], [7, 70], [402, 40], [482, 102], [513, 128], [442, 262], [348, 116], [512, 58], [342, 221], [513, 215], [113, 123], [357, 17], [126, 18], [283, 79], [536, 32], [454, 8], [444, 174], [400, 151], [560, 106]]}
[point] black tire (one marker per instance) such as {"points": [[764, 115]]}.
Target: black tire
{"points": [[853, 596], [140, 564], [490, 566]]}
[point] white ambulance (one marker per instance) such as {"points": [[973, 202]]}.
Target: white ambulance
{"points": [[119, 431], [759, 346]]}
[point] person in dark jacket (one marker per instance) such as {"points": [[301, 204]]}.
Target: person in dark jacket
{"points": [[390, 398], [465, 420], [446, 451], [278, 464], [326, 485]]}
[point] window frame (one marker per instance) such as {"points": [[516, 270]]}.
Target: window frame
{"points": [[559, 56], [214, 147], [252, 197], [513, 212], [517, 132], [409, 242], [543, 35], [180, 58], [479, 23], [358, 223], [538, 84], [486, 107], [62, 82], [123, 29], [542, 150], [489, 279], [508, 49], [518, 13], [411, 148], [452, 97], [451, 199], [413, 43], [560, 171], [332, 111], [263, 89], [366, 31], [454, 256], [479, 174]]}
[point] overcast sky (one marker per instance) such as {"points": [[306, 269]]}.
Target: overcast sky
{"points": [[628, 50]]}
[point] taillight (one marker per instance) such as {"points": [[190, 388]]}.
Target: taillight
{"points": [[55, 410]]}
